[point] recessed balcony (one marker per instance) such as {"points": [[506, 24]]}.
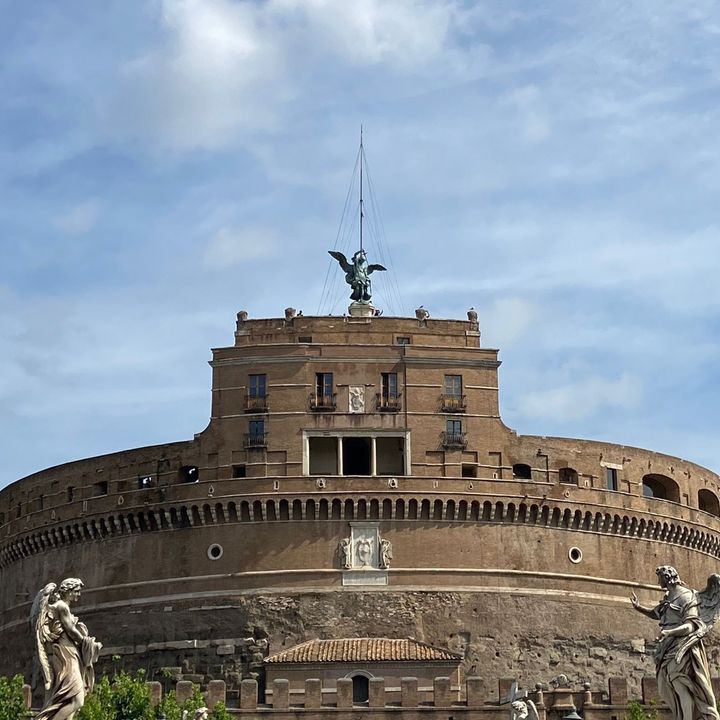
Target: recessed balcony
{"points": [[323, 403], [453, 403], [388, 403], [455, 441], [255, 441], [256, 403]]}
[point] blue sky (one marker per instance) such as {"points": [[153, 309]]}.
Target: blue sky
{"points": [[164, 164]]}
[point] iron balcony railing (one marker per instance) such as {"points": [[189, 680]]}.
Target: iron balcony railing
{"points": [[389, 403], [256, 403], [323, 403], [455, 440], [453, 403], [255, 440]]}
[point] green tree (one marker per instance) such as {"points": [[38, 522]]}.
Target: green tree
{"points": [[12, 702]]}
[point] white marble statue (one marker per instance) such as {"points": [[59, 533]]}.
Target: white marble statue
{"points": [[385, 553], [685, 617], [345, 549], [65, 650], [523, 710], [364, 552]]}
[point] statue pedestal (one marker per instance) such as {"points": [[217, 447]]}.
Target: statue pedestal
{"points": [[360, 309]]}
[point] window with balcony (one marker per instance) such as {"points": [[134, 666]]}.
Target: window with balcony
{"points": [[256, 437], [453, 399], [454, 437], [323, 399], [256, 398], [189, 473], [389, 398]]}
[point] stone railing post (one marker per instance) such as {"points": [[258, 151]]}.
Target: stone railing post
{"points": [[27, 696], [155, 690], [313, 693], [474, 692], [281, 694], [649, 690], [183, 691], [216, 693], [409, 692], [441, 692], [248, 694], [376, 698], [344, 693]]}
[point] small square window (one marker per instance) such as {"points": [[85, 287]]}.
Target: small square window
{"points": [[145, 481], [402, 340], [239, 471], [469, 471]]}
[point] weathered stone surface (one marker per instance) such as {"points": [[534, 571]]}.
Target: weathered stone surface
{"points": [[215, 693], [441, 692], [225, 649], [248, 694], [376, 697], [409, 692], [313, 693], [183, 691], [281, 695], [155, 690], [344, 693]]}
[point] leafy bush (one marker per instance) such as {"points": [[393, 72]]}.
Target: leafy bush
{"points": [[637, 711], [12, 703], [125, 697]]}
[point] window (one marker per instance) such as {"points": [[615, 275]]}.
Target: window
{"points": [[389, 385], [454, 437], [389, 398], [403, 340], [568, 476], [469, 471], [189, 473], [145, 481], [257, 386], [611, 478], [453, 385], [324, 397], [453, 427], [323, 384], [255, 437], [453, 399], [305, 339], [708, 502], [70, 493], [100, 488], [239, 471], [522, 471]]}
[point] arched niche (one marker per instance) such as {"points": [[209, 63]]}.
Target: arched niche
{"points": [[708, 502], [660, 487]]}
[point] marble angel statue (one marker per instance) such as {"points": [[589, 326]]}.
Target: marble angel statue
{"points": [[681, 665], [65, 650], [523, 710]]}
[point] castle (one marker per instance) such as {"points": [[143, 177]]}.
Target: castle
{"points": [[356, 480]]}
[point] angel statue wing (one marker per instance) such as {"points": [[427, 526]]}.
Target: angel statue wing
{"points": [[344, 264], [374, 267], [532, 710], [708, 605], [41, 629]]}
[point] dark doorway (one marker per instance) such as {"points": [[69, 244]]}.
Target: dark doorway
{"points": [[356, 456], [361, 689]]}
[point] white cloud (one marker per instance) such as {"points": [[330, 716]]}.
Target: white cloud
{"points": [[226, 68], [80, 219], [581, 398], [229, 248]]}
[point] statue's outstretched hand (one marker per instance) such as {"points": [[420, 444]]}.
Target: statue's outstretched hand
{"points": [[634, 600]]}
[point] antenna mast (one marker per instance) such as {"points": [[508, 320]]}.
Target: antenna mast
{"points": [[361, 188]]}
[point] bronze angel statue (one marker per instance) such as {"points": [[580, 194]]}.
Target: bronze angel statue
{"points": [[357, 274], [681, 665], [65, 650]]}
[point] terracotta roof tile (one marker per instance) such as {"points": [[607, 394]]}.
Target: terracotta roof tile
{"points": [[362, 650]]}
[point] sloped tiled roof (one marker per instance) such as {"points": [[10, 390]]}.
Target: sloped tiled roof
{"points": [[362, 650]]}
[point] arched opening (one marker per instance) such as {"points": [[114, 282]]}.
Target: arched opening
{"points": [[660, 487], [521, 471], [708, 502], [361, 689], [568, 476]]}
